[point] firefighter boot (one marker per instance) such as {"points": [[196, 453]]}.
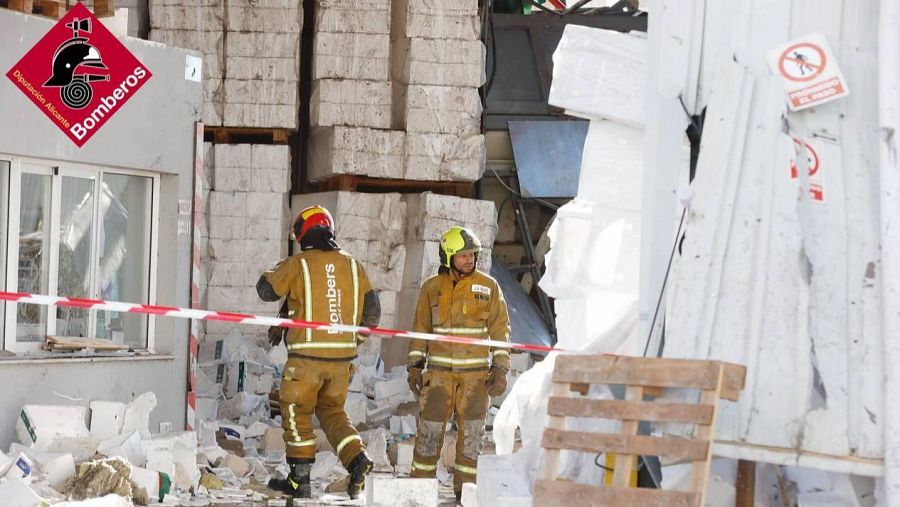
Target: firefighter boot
{"points": [[297, 483], [358, 468]]}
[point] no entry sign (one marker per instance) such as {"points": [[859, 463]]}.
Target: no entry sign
{"points": [[809, 71]]}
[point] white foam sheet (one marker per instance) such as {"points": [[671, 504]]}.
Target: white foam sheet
{"points": [[526, 408], [591, 59]]}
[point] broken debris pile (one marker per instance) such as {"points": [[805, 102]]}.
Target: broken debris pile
{"points": [[105, 451]]}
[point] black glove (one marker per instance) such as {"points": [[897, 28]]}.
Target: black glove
{"points": [[496, 381], [277, 335], [414, 377]]}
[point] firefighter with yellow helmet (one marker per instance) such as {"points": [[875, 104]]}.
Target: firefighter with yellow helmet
{"points": [[321, 283], [451, 378]]}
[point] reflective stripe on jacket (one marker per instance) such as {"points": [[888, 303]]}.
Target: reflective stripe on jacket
{"points": [[470, 306], [321, 286]]}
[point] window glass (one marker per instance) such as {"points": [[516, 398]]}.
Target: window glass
{"points": [[34, 254], [4, 232], [75, 238], [124, 255]]}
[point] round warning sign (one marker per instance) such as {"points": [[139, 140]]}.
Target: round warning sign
{"points": [[802, 62], [811, 156]]}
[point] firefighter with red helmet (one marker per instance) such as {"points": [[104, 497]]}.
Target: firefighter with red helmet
{"points": [[452, 378], [321, 283]]}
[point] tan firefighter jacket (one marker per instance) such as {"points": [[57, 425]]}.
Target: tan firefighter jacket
{"points": [[321, 286], [471, 306]]}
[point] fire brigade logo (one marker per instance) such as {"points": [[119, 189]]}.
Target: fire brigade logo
{"points": [[79, 74]]}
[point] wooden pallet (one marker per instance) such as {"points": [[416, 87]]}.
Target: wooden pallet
{"points": [[355, 183], [572, 377], [246, 135], [57, 8]]}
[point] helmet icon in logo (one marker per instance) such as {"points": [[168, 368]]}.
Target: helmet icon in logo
{"points": [[73, 62]]}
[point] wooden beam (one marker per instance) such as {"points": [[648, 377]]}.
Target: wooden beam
{"points": [[21, 5], [585, 495], [52, 8], [656, 372], [636, 445], [627, 429], [700, 470], [631, 410], [104, 8], [745, 494], [551, 457]]}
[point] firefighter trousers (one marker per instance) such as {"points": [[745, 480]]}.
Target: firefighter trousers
{"points": [[464, 395], [314, 386]]}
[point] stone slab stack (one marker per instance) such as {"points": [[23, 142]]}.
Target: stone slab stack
{"points": [[197, 25], [355, 150], [251, 56], [437, 67], [350, 108], [262, 63], [248, 223], [351, 64]]}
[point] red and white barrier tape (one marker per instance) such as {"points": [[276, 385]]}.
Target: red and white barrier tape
{"points": [[255, 320]]}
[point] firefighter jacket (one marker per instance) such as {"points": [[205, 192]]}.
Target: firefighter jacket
{"points": [[470, 306], [321, 286]]}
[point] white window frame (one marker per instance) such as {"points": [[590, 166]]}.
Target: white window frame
{"points": [[57, 170]]}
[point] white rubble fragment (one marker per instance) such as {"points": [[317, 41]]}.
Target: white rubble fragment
{"points": [[258, 470], [243, 404], [174, 454], [403, 425], [211, 351], [390, 388], [21, 468], [256, 430], [137, 414], [81, 449], [273, 440], [207, 408], [387, 491], [126, 446], [206, 433], [55, 468], [236, 464], [147, 479], [39, 424], [469, 495], [356, 407], [107, 418], [403, 454], [501, 480], [227, 476], [325, 466], [5, 462], [278, 356], [104, 501], [376, 446], [14, 492]]}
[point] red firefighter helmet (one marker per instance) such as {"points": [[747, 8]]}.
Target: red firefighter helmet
{"points": [[313, 216]]}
